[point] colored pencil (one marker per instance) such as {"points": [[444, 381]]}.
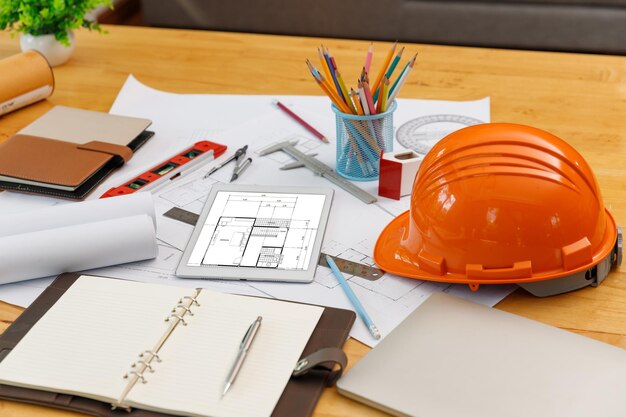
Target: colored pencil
{"points": [[363, 98], [367, 99], [383, 69], [392, 67], [393, 87], [402, 80], [379, 102], [328, 90], [333, 96], [301, 121], [331, 68], [368, 96], [357, 102], [368, 58], [324, 64], [360, 310], [344, 91], [384, 91]]}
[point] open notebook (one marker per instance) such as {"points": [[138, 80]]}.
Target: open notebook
{"points": [[89, 340]]}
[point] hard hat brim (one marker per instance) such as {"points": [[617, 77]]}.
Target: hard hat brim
{"points": [[388, 255]]}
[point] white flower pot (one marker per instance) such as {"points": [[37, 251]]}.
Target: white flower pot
{"points": [[55, 53]]}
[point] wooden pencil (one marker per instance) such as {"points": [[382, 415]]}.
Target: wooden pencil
{"points": [[383, 69]]}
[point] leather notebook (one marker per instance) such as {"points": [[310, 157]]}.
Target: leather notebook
{"points": [[67, 152], [298, 397]]}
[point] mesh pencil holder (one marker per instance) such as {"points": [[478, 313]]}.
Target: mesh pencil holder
{"points": [[360, 141]]}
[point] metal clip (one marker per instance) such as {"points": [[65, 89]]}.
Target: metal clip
{"points": [[324, 360]]}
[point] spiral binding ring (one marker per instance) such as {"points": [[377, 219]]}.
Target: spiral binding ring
{"points": [[147, 364], [193, 300], [184, 307], [179, 317], [139, 374], [153, 354]]}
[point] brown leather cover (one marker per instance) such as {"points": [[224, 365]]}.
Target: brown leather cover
{"points": [[298, 399], [53, 161], [113, 149]]}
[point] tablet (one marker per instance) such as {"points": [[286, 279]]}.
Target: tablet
{"points": [[262, 233]]}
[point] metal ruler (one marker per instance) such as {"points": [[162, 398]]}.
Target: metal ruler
{"points": [[182, 216], [353, 268], [308, 161], [349, 267]]}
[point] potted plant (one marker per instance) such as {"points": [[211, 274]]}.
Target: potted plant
{"points": [[46, 25]]}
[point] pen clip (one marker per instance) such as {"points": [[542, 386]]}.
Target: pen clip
{"points": [[245, 336], [249, 331]]}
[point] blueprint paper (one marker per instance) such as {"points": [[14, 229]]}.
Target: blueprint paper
{"points": [[179, 120]]}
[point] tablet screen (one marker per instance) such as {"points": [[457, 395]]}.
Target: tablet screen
{"points": [[251, 229]]}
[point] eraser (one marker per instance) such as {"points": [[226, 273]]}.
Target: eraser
{"points": [[397, 172]]}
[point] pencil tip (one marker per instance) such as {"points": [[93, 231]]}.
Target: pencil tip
{"points": [[375, 332]]}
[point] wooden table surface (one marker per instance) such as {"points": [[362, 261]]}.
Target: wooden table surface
{"points": [[580, 98]]}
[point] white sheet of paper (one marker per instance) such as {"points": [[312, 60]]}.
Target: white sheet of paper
{"points": [[182, 119]]}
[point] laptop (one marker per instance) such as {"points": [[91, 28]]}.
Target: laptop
{"points": [[455, 358]]}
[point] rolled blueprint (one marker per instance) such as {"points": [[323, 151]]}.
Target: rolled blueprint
{"points": [[77, 236], [77, 213], [75, 248], [24, 79]]}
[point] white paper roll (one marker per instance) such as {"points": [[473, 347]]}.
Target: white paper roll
{"points": [[78, 213], [75, 248]]}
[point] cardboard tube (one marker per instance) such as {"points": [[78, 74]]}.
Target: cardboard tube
{"points": [[24, 79]]}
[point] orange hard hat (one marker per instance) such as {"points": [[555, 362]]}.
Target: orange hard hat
{"points": [[503, 203]]}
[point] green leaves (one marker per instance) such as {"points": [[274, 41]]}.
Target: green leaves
{"points": [[42, 17]]}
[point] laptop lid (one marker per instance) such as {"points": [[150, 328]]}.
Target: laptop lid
{"points": [[454, 358]]}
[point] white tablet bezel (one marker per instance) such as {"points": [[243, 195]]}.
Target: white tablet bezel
{"points": [[255, 274]]}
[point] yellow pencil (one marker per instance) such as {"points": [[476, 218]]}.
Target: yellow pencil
{"points": [[344, 92], [383, 69], [330, 92], [384, 91], [357, 102], [334, 97]]}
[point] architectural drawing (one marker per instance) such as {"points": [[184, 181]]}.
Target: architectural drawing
{"points": [[259, 230]]}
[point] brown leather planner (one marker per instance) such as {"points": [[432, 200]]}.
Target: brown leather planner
{"points": [[67, 152], [55, 163], [298, 399]]}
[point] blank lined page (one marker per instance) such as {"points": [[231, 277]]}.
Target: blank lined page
{"points": [[87, 341], [198, 357]]}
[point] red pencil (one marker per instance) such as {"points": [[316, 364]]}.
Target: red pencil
{"points": [[301, 121]]}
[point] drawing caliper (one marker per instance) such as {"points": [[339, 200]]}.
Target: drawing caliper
{"points": [[319, 168]]}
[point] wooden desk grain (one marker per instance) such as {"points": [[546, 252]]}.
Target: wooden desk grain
{"points": [[580, 98]]}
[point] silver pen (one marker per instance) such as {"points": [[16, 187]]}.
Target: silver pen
{"points": [[240, 169], [244, 347]]}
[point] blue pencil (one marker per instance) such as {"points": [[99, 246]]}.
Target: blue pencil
{"points": [[332, 68], [352, 296]]}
